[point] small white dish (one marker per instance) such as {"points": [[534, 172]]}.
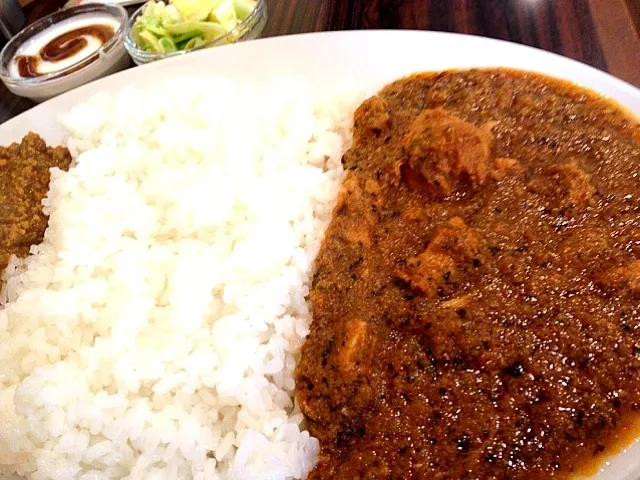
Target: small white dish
{"points": [[97, 59]]}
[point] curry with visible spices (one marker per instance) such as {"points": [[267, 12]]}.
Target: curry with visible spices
{"points": [[476, 296]]}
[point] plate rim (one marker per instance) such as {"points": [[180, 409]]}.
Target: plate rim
{"points": [[167, 64]]}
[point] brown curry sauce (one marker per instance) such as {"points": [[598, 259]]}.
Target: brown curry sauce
{"points": [[476, 296]]}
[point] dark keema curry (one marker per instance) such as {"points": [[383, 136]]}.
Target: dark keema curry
{"points": [[476, 296], [24, 182]]}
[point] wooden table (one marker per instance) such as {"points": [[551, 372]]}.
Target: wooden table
{"points": [[602, 33]]}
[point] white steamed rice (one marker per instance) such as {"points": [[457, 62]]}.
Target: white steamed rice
{"points": [[155, 331]]}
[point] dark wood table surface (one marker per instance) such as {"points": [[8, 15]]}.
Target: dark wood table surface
{"points": [[601, 33]]}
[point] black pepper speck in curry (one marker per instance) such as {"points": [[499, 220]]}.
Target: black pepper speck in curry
{"points": [[476, 297], [24, 182]]}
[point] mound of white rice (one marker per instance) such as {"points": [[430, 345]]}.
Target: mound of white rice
{"points": [[155, 331]]}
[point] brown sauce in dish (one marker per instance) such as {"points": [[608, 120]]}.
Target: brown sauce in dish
{"points": [[24, 180], [477, 295], [28, 66], [63, 47]]}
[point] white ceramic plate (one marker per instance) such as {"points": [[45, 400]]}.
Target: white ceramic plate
{"points": [[371, 58]]}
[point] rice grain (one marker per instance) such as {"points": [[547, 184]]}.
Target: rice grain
{"points": [[155, 331]]}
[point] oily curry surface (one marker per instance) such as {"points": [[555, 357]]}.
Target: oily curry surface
{"points": [[476, 296]]}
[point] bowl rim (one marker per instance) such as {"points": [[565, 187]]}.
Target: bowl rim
{"points": [[144, 56], [113, 9]]}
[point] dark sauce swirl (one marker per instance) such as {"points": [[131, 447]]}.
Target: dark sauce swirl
{"points": [[63, 47]]}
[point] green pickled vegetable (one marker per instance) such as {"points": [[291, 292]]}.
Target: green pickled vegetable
{"points": [[244, 9], [185, 37], [193, 43], [149, 41], [187, 24], [225, 15], [167, 44], [153, 25], [195, 10], [185, 28]]}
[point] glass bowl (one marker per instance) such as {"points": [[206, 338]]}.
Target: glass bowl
{"points": [[249, 29], [109, 58]]}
